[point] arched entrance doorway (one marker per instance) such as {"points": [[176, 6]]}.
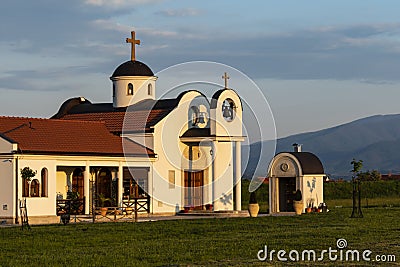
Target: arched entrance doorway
{"points": [[78, 187], [77, 182], [104, 184]]}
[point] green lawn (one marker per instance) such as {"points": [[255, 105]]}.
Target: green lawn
{"points": [[221, 242]]}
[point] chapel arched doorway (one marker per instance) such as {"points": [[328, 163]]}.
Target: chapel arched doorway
{"points": [[104, 183], [78, 187]]}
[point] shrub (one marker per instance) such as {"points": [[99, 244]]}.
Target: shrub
{"points": [[253, 198], [298, 196]]}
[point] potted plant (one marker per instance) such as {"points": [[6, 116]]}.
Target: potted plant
{"points": [[102, 202], [298, 204], [253, 205], [209, 207], [27, 174], [310, 205]]}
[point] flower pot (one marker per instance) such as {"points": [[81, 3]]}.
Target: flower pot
{"points": [[128, 210], [253, 209], [103, 211], [309, 210], [298, 207]]}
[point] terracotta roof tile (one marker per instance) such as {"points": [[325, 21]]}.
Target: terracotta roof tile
{"points": [[133, 121], [66, 137]]}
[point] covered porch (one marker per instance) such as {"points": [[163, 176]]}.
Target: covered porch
{"points": [[95, 185]]}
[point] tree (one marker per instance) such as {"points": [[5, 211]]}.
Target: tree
{"points": [[357, 166], [373, 175]]}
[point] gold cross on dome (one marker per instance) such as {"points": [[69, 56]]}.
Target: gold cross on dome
{"points": [[226, 78], [133, 42]]}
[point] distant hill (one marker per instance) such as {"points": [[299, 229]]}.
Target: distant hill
{"points": [[375, 140]]}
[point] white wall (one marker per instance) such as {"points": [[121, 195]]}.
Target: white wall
{"points": [[7, 187], [40, 206], [223, 182], [140, 83], [170, 151], [313, 189]]}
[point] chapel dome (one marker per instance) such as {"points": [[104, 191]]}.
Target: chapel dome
{"points": [[132, 68]]}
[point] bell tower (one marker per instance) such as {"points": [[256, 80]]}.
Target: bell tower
{"points": [[132, 81]]}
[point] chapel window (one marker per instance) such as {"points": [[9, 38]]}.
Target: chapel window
{"points": [[130, 89], [35, 185], [150, 89], [44, 178]]}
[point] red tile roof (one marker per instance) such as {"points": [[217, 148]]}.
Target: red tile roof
{"points": [[50, 136], [119, 121]]}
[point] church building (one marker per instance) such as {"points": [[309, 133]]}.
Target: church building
{"points": [[180, 153]]}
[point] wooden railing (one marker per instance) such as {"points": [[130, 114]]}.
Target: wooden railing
{"points": [[129, 209]]}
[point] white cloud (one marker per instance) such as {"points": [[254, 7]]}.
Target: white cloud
{"points": [[183, 12], [106, 24], [118, 3]]}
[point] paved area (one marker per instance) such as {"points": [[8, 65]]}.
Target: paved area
{"points": [[152, 218]]}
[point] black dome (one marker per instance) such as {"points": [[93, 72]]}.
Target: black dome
{"points": [[132, 68]]}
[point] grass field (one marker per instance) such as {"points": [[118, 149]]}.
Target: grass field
{"points": [[209, 242]]}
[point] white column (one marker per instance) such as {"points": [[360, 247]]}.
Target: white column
{"points": [[120, 176], [150, 186], [238, 178], [214, 175], [273, 197], [86, 187]]}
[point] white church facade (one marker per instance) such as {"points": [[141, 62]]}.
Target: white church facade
{"points": [[181, 152]]}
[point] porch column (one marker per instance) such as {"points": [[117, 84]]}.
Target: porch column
{"points": [[238, 178], [214, 175], [68, 182], [150, 187], [273, 197], [86, 187], [120, 176]]}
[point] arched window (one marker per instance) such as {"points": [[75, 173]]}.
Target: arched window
{"points": [[44, 178], [25, 188], [150, 89], [35, 185], [130, 89]]}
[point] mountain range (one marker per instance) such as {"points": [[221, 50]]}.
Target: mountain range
{"points": [[375, 140]]}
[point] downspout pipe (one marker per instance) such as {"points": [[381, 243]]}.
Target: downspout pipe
{"points": [[16, 191]]}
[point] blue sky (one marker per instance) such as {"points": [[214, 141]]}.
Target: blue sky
{"points": [[319, 63]]}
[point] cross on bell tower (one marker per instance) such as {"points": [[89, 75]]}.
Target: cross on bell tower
{"points": [[133, 42], [226, 78]]}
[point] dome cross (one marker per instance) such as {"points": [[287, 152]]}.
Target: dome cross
{"points": [[226, 78], [133, 42]]}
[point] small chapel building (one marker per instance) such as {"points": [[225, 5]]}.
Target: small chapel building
{"points": [[291, 171], [180, 152]]}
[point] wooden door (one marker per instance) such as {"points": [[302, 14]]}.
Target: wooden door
{"points": [[287, 188], [194, 182]]}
